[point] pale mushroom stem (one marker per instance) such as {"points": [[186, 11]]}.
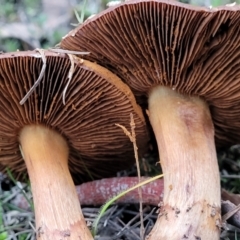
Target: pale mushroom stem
{"points": [[57, 210], [185, 135]]}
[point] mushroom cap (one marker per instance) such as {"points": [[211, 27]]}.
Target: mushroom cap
{"points": [[195, 50], [96, 100]]}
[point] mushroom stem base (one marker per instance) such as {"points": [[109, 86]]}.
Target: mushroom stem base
{"points": [[185, 137], [57, 210]]}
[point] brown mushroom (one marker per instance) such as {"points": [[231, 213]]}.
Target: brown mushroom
{"points": [[186, 60], [81, 135]]}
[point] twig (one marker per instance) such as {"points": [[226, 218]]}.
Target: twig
{"points": [[99, 192]]}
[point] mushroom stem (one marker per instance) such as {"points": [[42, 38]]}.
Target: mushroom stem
{"points": [[185, 135], [57, 210]]}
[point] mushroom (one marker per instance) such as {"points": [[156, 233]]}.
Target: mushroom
{"points": [[186, 61], [80, 136]]}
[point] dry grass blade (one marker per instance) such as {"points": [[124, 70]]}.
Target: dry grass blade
{"points": [[132, 137], [70, 74], [41, 51], [58, 50]]}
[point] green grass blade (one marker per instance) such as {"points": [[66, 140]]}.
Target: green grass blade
{"points": [[3, 233], [24, 194], [80, 19], [112, 200]]}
